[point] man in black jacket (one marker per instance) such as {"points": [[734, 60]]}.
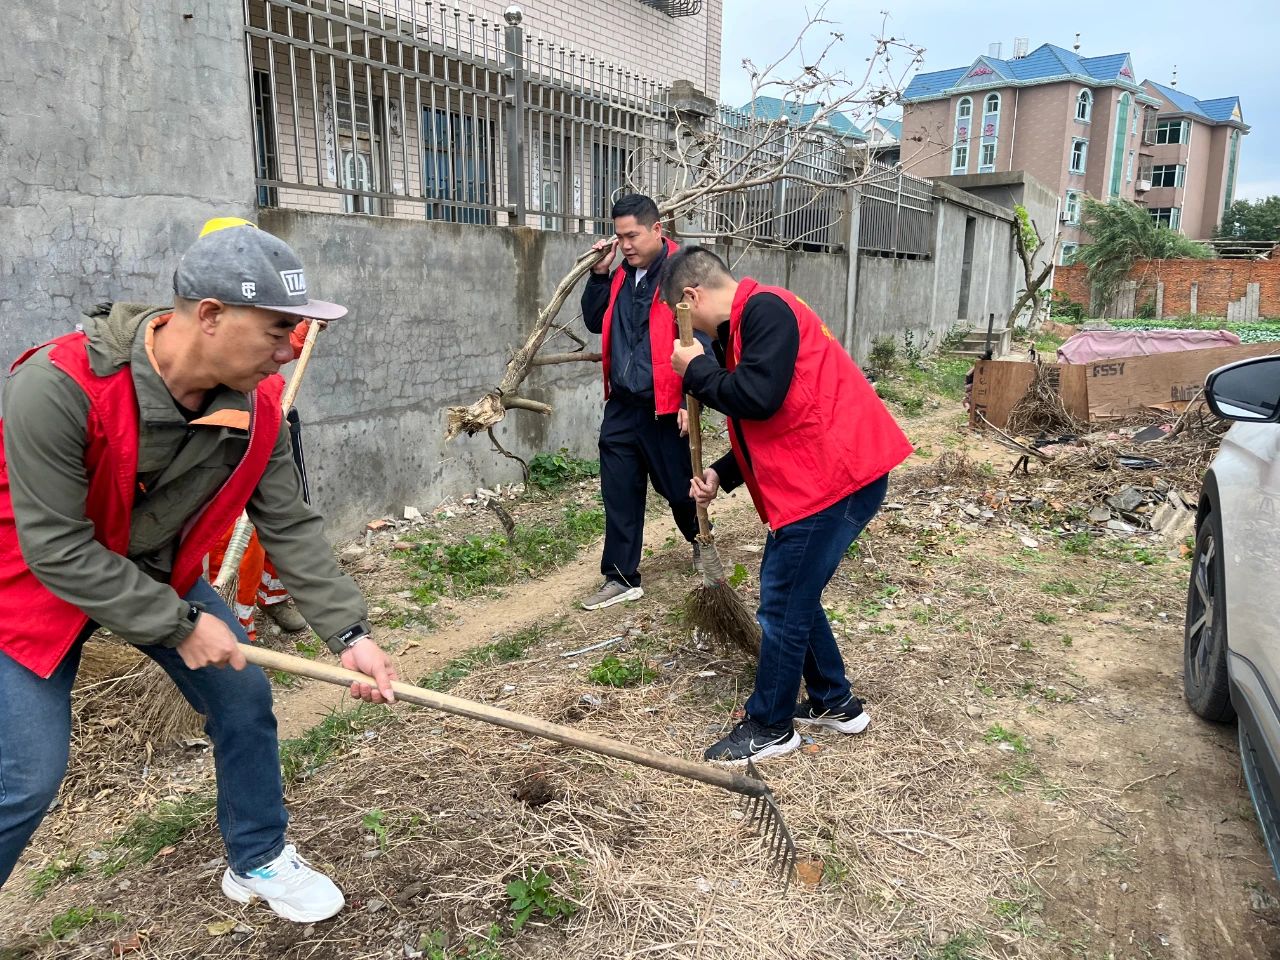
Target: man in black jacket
{"points": [[644, 425]]}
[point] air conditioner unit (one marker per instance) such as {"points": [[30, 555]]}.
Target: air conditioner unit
{"points": [[1142, 186], [1064, 218]]}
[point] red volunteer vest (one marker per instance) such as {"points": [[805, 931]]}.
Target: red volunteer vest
{"points": [[36, 627], [833, 434], [668, 389]]}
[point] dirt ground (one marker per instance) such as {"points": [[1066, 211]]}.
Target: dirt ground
{"points": [[1032, 784]]}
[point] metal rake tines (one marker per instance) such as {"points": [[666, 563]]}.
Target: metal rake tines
{"points": [[763, 815]]}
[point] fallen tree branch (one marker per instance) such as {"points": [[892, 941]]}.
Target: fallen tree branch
{"points": [[550, 358], [523, 403]]}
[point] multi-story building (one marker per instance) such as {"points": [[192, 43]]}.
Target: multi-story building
{"points": [[1192, 159], [1074, 123], [885, 136], [1081, 125]]}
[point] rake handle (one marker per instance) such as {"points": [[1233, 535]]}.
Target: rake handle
{"points": [[684, 321], [591, 742]]}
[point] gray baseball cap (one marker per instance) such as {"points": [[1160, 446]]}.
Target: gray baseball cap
{"points": [[248, 267]]}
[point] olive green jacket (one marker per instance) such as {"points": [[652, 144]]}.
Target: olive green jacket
{"points": [[181, 465]]}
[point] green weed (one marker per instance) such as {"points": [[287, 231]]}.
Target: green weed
{"points": [[1042, 616], [162, 827], [532, 894], [551, 471], [77, 918], [1061, 588], [962, 946], [373, 822], [998, 734], [503, 650], [300, 756], [54, 873], [435, 946], [612, 672]]}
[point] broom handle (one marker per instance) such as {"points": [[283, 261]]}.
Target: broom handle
{"points": [[243, 529], [591, 742], [685, 323]]}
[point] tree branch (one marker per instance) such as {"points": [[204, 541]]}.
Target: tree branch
{"points": [[550, 358]]}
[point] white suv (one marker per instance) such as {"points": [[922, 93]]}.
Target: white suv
{"points": [[1231, 655]]}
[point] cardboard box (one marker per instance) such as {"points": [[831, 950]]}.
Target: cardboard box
{"points": [[1107, 389]]}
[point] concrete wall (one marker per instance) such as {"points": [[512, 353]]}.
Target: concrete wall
{"points": [[1005, 190], [435, 310], [135, 131]]}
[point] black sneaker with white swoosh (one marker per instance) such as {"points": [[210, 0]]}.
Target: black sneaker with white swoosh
{"points": [[849, 717], [751, 740]]}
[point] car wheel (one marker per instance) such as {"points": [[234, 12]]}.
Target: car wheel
{"points": [[1204, 657]]}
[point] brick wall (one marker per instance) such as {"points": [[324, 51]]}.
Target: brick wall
{"points": [[1218, 282]]}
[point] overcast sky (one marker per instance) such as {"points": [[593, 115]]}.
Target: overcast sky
{"points": [[1224, 48]]}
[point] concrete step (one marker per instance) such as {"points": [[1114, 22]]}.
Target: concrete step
{"points": [[975, 342]]}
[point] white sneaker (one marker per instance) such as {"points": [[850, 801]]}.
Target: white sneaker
{"points": [[289, 886]]}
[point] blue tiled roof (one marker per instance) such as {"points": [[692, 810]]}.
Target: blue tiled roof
{"points": [[1046, 62], [894, 127], [771, 108], [1221, 109], [1217, 111]]}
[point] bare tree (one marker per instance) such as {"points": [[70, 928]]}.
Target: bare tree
{"points": [[711, 170]]}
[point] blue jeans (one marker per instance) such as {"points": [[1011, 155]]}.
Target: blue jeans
{"points": [[35, 734], [799, 561]]}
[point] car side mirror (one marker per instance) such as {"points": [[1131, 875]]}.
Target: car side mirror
{"points": [[1248, 391]]}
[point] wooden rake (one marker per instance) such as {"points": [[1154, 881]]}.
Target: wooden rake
{"points": [[760, 807]]}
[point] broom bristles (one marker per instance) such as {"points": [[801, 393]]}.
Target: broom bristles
{"points": [[156, 708], [716, 609]]}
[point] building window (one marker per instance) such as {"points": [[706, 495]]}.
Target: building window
{"points": [[1128, 170], [990, 133], [1170, 217], [960, 153], [1079, 155], [1084, 106], [1071, 208], [1172, 131], [264, 131], [987, 158], [456, 151], [1233, 156], [1068, 254], [1117, 155], [1168, 175], [1134, 131]]}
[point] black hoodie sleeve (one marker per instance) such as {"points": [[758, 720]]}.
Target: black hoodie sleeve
{"points": [[595, 300], [758, 385]]}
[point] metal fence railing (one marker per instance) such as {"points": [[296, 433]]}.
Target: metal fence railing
{"points": [[895, 213], [403, 108], [406, 108], [804, 207]]}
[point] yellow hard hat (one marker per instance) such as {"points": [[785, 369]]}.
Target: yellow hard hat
{"points": [[221, 223]]}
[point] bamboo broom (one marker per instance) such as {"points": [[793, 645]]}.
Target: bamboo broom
{"points": [[714, 606]]}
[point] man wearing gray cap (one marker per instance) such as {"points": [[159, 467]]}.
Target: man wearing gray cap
{"points": [[128, 448]]}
